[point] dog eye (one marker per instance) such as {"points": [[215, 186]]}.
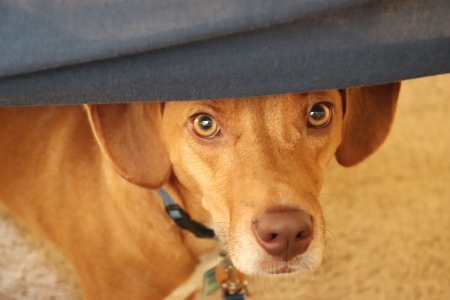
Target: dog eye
{"points": [[319, 115], [205, 126]]}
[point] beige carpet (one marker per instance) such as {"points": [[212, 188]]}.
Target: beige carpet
{"points": [[388, 221]]}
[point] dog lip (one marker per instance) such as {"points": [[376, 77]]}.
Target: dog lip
{"points": [[282, 270], [279, 267]]}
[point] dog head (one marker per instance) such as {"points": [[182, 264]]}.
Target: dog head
{"points": [[256, 165]]}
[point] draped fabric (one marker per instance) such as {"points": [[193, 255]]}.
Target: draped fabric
{"points": [[100, 51]]}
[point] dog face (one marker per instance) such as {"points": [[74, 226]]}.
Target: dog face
{"points": [[252, 157], [256, 165]]}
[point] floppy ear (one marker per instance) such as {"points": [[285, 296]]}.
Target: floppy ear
{"points": [[369, 114], [129, 135]]}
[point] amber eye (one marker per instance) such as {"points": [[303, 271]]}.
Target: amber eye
{"points": [[319, 115], [205, 126]]}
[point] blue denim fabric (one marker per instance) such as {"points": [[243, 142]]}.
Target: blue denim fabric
{"points": [[69, 52]]}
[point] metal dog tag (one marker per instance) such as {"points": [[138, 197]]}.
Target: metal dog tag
{"points": [[210, 283]]}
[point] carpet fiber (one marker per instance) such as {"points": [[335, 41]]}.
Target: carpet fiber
{"points": [[388, 221]]}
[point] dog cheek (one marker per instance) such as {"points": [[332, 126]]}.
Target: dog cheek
{"points": [[188, 169], [219, 212], [242, 246], [246, 255]]}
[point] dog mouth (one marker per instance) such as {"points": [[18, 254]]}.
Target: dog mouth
{"points": [[274, 269], [301, 263], [261, 264], [282, 270]]}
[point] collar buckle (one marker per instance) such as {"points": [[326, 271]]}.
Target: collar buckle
{"points": [[183, 219]]}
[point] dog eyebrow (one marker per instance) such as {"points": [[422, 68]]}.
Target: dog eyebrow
{"points": [[212, 104]]}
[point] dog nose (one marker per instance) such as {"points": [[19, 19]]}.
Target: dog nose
{"points": [[284, 234]]}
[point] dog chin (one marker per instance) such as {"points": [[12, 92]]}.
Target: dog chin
{"points": [[281, 272], [267, 266]]}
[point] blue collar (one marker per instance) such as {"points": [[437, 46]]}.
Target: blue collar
{"points": [[182, 218]]}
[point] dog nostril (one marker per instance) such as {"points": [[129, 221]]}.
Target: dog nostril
{"points": [[302, 234], [273, 236]]}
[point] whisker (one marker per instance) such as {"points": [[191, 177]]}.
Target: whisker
{"points": [[333, 240]]}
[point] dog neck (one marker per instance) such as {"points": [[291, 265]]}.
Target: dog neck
{"points": [[191, 203], [188, 200]]}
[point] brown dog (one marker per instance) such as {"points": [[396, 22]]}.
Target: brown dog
{"points": [[250, 168]]}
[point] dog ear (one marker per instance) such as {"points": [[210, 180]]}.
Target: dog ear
{"points": [[369, 114], [129, 135]]}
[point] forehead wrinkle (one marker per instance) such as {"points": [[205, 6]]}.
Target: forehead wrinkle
{"points": [[261, 138], [283, 117], [283, 129]]}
